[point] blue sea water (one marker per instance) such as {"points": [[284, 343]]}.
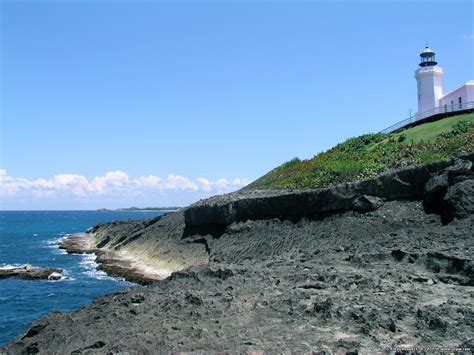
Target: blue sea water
{"points": [[31, 237]]}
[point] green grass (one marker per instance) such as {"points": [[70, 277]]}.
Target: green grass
{"points": [[429, 131], [368, 155]]}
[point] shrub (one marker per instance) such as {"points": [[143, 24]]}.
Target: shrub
{"points": [[364, 157], [289, 163], [458, 129], [360, 143]]}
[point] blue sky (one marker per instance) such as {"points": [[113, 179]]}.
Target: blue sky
{"points": [[201, 97]]}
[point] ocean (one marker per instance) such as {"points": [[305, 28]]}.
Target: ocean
{"points": [[31, 237]]}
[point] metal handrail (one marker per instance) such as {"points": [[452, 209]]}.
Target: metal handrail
{"points": [[435, 111]]}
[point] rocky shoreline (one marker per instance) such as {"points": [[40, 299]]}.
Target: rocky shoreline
{"points": [[29, 272], [78, 243], [113, 262], [370, 266]]}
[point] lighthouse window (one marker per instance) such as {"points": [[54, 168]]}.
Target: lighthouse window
{"points": [[460, 102]]}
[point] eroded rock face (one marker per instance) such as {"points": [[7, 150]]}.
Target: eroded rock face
{"points": [[435, 190], [346, 283], [459, 200], [258, 273], [450, 192], [430, 181]]}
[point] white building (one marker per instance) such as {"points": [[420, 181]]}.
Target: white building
{"points": [[430, 88], [460, 95], [432, 104]]}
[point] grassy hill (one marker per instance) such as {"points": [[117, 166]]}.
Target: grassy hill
{"points": [[368, 155]]}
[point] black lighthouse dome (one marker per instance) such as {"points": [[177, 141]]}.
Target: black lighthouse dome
{"points": [[427, 58]]}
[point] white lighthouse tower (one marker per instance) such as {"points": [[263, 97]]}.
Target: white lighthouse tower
{"points": [[429, 80]]}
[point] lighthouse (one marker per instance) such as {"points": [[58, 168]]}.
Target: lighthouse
{"points": [[429, 81], [431, 102]]}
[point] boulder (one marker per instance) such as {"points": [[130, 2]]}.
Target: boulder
{"points": [[366, 203], [29, 272], [437, 183], [459, 200], [435, 189], [435, 199]]}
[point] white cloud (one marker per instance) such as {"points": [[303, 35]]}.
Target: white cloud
{"points": [[76, 183], [111, 180], [112, 183], [149, 181], [176, 182], [221, 185], [204, 184]]}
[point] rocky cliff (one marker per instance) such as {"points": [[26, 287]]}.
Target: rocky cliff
{"points": [[408, 183], [369, 266]]}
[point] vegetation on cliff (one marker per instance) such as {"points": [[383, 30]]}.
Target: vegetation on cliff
{"points": [[368, 155]]}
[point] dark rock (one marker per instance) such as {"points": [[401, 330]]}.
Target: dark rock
{"points": [[437, 323], [276, 282], [219, 273], [32, 348], [194, 298], [459, 167], [138, 298], [398, 254], [134, 311], [33, 330], [392, 326], [430, 181], [459, 200], [438, 185], [31, 273], [462, 178], [97, 345], [324, 308], [366, 203], [435, 189]]}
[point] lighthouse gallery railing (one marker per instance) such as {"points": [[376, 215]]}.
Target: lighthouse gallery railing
{"points": [[436, 111]]}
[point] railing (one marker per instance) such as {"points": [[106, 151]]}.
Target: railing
{"points": [[436, 111]]}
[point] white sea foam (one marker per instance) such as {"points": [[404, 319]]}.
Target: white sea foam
{"points": [[64, 278], [53, 245], [89, 266], [88, 261], [50, 244], [9, 266], [97, 274]]}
